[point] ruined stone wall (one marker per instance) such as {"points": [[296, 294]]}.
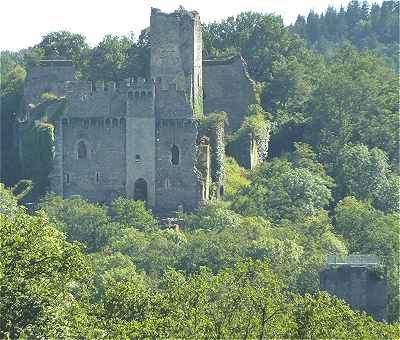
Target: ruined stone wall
{"points": [[176, 65], [177, 184], [48, 76], [101, 175], [176, 53], [228, 87], [140, 131], [244, 150], [360, 287]]}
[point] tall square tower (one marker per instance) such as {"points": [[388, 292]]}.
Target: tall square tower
{"points": [[176, 55]]}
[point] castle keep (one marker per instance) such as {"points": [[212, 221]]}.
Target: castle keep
{"points": [[141, 138]]}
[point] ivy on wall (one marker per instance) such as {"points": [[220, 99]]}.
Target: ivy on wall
{"points": [[37, 143], [255, 126], [212, 127]]}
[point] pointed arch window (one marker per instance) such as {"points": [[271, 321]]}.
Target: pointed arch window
{"points": [[82, 150], [174, 155]]}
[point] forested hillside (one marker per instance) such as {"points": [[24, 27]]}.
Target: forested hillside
{"points": [[246, 266], [374, 27]]}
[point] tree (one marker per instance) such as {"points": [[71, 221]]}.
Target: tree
{"points": [[8, 203], [247, 300], [370, 231], [80, 220], [280, 191], [324, 316], [109, 60], [366, 174], [132, 214], [65, 45], [356, 102], [42, 279], [12, 80]]}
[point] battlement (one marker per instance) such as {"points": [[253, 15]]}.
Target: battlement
{"points": [[87, 99], [141, 98], [172, 101], [179, 13]]}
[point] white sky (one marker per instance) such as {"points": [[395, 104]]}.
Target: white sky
{"points": [[24, 22]]}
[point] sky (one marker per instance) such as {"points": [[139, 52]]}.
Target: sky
{"points": [[24, 22]]}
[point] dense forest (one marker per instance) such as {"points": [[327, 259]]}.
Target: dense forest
{"points": [[373, 27], [246, 266]]}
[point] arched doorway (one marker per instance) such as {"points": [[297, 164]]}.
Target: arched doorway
{"points": [[174, 155], [140, 191], [82, 150]]}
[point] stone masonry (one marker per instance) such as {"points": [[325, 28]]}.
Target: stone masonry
{"points": [[140, 138]]}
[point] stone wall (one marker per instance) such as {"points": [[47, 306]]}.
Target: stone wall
{"points": [[177, 184], [176, 66], [360, 287], [101, 175], [228, 87], [244, 150], [48, 76], [141, 136], [176, 53]]}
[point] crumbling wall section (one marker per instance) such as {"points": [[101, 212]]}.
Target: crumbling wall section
{"points": [[229, 88], [48, 76]]}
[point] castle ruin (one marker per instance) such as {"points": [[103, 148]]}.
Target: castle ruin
{"points": [[141, 138]]}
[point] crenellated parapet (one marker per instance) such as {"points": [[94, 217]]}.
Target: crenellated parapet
{"points": [[132, 97], [140, 98], [171, 101], [87, 99]]}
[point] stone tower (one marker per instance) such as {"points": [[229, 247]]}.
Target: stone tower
{"points": [[137, 138], [176, 54], [176, 66]]}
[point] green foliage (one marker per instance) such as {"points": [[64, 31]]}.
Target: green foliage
{"points": [[65, 45], [22, 188], [324, 316], [245, 300], [247, 267], [366, 174], [42, 278], [278, 190], [212, 119], [33, 56], [356, 102], [367, 27], [169, 283], [109, 59], [80, 220], [370, 231], [12, 75], [37, 156], [235, 178], [48, 96], [254, 126], [12, 79], [8, 203], [132, 214]]}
